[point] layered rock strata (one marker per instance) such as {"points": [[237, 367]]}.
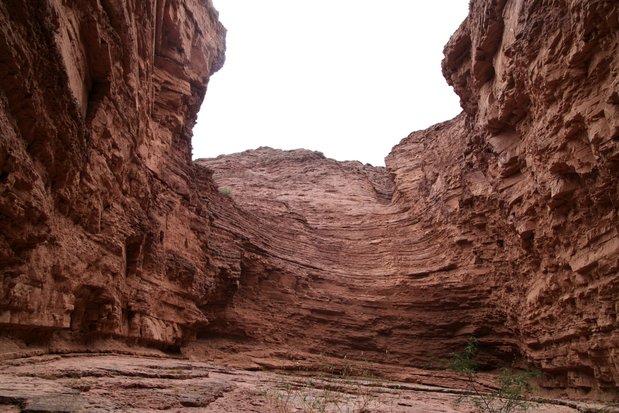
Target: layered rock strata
{"points": [[537, 171], [104, 220], [501, 223], [339, 268]]}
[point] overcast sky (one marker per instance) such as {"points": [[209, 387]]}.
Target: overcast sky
{"points": [[349, 78]]}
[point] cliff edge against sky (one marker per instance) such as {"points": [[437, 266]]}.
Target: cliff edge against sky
{"points": [[501, 223]]}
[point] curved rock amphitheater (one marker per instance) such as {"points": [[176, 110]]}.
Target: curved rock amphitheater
{"points": [[502, 223]]}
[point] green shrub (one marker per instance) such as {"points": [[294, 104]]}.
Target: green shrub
{"points": [[513, 387], [226, 190]]}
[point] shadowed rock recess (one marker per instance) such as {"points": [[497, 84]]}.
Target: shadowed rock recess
{"points": [[500, 224]]}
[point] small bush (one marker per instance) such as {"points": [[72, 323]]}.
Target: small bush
{"points": [[512, 390], [337, 389], [226, 190]]}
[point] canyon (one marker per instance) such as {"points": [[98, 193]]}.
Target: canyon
{"points": [[500, 224]]}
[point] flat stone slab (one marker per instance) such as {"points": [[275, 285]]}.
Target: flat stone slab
{"points": [[115, 383]]}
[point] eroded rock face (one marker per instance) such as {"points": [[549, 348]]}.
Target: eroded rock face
{"points": [[501, 223], [338, 268], [539, 170], [103, 228]]}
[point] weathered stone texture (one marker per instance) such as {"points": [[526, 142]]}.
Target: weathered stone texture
{"points": [[539, 84], [103, 228], [501, 223]]}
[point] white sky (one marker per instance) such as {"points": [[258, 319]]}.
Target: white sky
{"points": [[349, 78]]}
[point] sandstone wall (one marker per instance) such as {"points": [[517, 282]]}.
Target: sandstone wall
{"points": [[337, 268], [539, 169], [501, 223], [102, 226]]}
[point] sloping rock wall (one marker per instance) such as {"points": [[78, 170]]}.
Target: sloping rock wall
{"points": [[539, 169], [338, 268], [103, 228], [501, 223]]}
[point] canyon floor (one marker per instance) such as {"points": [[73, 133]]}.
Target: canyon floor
{"points": [[243, 380]]}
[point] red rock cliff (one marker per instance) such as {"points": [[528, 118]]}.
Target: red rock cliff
{"points": [[501, 223], [103, 228], [536, 169], [338, 268]]}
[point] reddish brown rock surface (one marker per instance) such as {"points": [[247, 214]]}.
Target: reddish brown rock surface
{"points": [[104, 220], [501, 223], [339, 268], [535, 175], [108, 383]]}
